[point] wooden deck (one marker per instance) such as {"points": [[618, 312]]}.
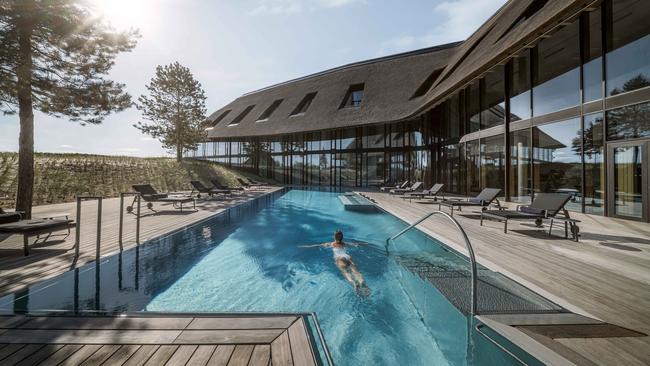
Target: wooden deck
{"points": [[606, 275], [156, 340], [57, 255]]}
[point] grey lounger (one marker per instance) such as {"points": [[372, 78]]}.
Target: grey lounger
{"points": [[29, 228], [255, 183], [245, 184], [417, 186], [483, 200], [217, 184], [150, 195], [201, 188], [427, 193], [544, 206], [399, 186]]}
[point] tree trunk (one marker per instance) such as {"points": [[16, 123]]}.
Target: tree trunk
{"points": [[25, 111], [179, 136]]}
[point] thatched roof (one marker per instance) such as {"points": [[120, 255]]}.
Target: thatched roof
{"points": [[391, 82]]}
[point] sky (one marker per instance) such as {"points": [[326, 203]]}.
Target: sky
{"points": [[236, 46]]}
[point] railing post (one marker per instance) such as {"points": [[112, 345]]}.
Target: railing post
{"points": [[121, 223], [78, 225], [99, 229], [77, 229]]}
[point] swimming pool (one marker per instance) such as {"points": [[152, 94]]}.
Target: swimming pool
{"points": [[249, 260]]}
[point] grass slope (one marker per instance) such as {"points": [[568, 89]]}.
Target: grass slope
{"points": [[61, 177]]}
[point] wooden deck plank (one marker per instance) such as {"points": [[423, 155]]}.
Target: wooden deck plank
{"points": [[81, 355], [141, 355], [300, 347], [281, 351], [106, 323], [40, 355], [87, 336], [261, 356], [181, 356], [120, 356], [161, 356], [271, 322], [221, 355], [241, 355], [101, 355], [226, 336], [10, 349], [202, 355], [60, 355], [21, 354]]}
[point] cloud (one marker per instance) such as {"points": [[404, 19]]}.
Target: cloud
{"points": [[147, 139], [297, 6], [459, 19], [129, 149], [64, 146]]}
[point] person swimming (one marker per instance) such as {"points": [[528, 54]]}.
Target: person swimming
{"points": [[344, 262]]}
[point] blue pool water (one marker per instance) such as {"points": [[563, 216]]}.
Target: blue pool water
{"points": [[249, 260]]}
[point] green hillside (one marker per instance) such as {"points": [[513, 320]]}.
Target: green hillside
{"points": [[61, 177]]}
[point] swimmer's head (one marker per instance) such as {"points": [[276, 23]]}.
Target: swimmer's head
{"points": [[338, 236]]}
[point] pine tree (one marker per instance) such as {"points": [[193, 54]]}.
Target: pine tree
{"points": [[54, 57], [175, 109]]}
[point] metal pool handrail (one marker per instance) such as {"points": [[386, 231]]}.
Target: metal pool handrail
{"points": [[468, 244]]}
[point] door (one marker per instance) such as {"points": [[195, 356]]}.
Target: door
{"points": [[628, 180]]}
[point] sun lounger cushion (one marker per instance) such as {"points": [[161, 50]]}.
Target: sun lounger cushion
{"points": [[532, 210], [7, 217], [28, 226]]}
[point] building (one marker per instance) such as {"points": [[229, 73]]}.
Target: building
{"points": [[546, 96]]}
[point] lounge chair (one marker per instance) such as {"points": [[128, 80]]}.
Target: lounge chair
{"points": [[150, 195], [427, 193], [255, 183], [483, 200], [12, 223], [544, 206], [217, 184], [416, 187], [399, 186], [247, 185], [200, 188]]}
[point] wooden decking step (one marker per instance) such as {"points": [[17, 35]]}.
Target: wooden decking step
{"points": [[156, 339]]}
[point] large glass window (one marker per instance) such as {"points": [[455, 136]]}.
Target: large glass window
{"points": [[492, 162], [593, 153], [592, 70], [348, 168], [629, 122], [628, 57], [373, 137], [520, 174], [493, 99], [557, 161], [556, 72], [520, 87]]}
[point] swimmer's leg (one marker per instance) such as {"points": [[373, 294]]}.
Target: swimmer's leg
{"points": [[343, 266]]}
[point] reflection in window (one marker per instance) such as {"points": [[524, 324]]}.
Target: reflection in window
{"points": [[519, 182], [373, 137], [629, 122], [473, 159], [348, 167], [593, 66], [593, 162], [556, 72], [473, 107], [374, 168], [493, 99], [397, 167], [557, 164], [520, 88], [628, 45], [492, 162]]}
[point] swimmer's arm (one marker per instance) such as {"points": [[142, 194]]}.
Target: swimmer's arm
{"points": [[358, 243], [314, 245]]}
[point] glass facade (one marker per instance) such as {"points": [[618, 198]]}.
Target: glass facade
{"points": [[602, 53]]}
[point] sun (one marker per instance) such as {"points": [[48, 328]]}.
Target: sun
{"points": [[126, 14]]}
